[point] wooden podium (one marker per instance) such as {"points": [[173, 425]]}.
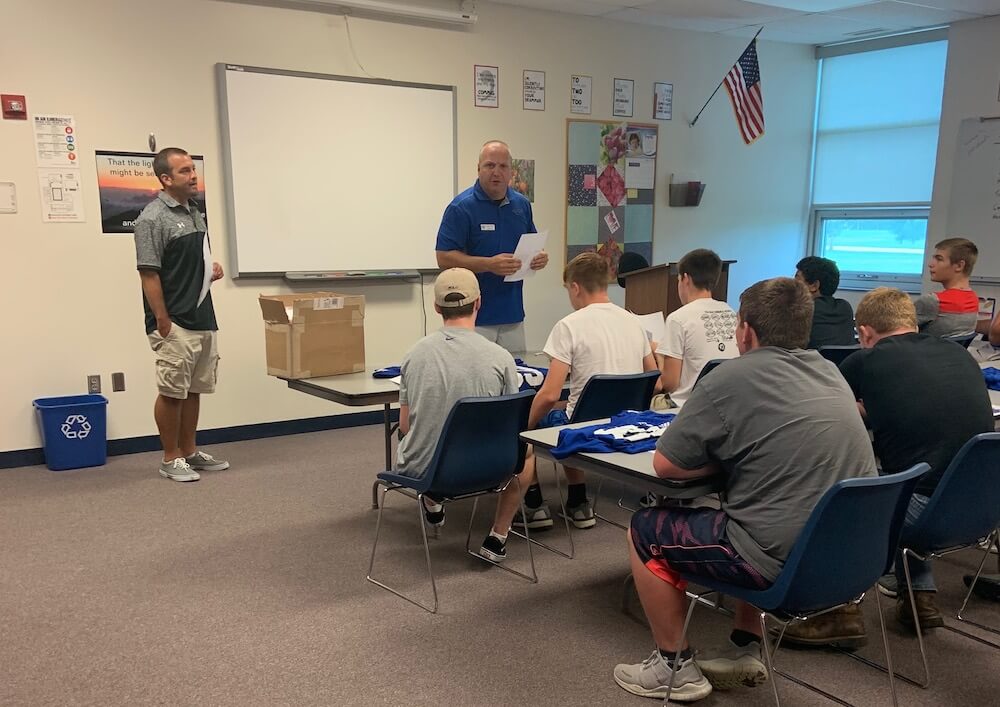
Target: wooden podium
{"points": [[654, 289]]}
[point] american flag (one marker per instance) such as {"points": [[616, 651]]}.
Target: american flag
{"points": [[743, 85]]}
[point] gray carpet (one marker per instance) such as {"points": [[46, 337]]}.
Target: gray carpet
{"points": [[247, 588]]}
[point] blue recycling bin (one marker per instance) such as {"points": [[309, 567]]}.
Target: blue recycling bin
{"points": [[74, 430]]}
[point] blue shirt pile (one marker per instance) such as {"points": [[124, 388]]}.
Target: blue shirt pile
{"points": [[530, 378], [992, 377], [630, 432]]}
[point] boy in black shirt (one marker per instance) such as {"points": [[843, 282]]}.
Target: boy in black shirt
{"points": [[833, 320], [924, 397]]}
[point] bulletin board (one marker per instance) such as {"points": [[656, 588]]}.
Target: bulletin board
{"points": [[610, 182]]}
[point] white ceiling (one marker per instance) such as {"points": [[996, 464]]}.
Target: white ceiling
{"points": [[798, 21]]}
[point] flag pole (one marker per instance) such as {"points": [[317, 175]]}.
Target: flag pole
{"points": [[722, 82]]}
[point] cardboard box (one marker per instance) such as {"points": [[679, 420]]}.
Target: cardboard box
{"points": [[313, 334]]}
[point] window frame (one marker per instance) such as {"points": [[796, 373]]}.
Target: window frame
{"points": [[860, 280]]}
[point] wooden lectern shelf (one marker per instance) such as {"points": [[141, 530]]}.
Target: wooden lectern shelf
{"points": [[654, 289]]}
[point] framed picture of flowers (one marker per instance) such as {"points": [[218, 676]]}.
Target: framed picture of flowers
{"points": [[610, 182]]}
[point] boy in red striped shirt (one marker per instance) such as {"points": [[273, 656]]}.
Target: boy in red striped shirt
{"points": [[954, 310]]}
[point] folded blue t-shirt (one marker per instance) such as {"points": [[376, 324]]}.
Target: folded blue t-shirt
{"points": [[529, 378], [630, 432], [992, 377]]}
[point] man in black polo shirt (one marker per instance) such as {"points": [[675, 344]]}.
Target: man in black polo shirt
{"points": [[924, 397], [176, 269]]}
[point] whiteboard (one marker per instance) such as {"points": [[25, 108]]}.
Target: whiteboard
{"points": [[974, 206], [334, 173]]}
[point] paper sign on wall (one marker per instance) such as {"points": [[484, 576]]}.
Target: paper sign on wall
{"points": [[579, 94], [55, 141], [533, 94], [61, 199]]}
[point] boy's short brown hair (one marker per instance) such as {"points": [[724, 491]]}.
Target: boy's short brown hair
{"points": [[886, 309], [960, 249], [780, 311], [589, 270], [703, 266]]}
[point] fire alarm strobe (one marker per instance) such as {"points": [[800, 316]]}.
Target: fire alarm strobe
{"points": [[14, 107]]}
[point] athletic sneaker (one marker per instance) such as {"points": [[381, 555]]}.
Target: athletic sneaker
{"points": [[888, 586], [494, 549], [582, 516], [178, 470], [538, 518], [433, 513], [650, 677], [987, 586], [200, 461], [734, 666]]}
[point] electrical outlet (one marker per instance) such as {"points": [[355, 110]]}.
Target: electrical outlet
{"points": [[117, 382], [94, 384]]}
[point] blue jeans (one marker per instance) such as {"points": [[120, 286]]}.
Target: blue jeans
{"points": [[553, 418], [921, 576]]}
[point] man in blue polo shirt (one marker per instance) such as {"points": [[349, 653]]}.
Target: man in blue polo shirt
{"points": [[479, 231]]}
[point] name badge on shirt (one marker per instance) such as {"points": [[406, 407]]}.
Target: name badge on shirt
{"points": [[488, 227]]}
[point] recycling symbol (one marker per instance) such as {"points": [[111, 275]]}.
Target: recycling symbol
{"points": [[76, 427]]}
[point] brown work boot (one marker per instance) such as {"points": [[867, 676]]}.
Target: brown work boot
{"points": [[843, 628], [927, 610]]}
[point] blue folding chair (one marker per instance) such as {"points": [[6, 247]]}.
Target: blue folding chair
{"points": [[848, 543], [479, 452], [837, 354], [604, 396], [964, 509], [962, 339]]}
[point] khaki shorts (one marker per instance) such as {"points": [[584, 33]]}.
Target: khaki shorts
{"points": [[186, 361], [508, 336]]}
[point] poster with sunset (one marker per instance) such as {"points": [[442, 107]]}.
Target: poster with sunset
{"points": [[126, 183]]}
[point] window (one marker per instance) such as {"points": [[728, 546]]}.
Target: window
{"points": [[875, 146], [872, 246]]}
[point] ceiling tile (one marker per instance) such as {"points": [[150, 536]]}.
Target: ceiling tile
{"points": [[980, 7], [807, 29], [815, 5], [901, 15], [658, 19], [749, 12], [573, 7]]}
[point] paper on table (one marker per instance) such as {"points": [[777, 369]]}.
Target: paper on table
{"points": [[530, 245], [398, 380], [653, 325]]}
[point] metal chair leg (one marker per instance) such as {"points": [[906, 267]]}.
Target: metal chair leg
{"points": [[885, 646], [916, 619], [533, 577], [427, 554], [607, 520], [375, 494], [680, 647], [765, 644], [972, 585], [562, 507]]}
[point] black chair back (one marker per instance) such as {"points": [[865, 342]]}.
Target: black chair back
{"points": [[605, 395]]}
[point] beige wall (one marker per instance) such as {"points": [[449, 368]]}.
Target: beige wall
{"points": [[125, 68]]}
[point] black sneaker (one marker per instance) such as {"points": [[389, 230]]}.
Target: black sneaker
{"points": [[434, 514], [494, 549]]}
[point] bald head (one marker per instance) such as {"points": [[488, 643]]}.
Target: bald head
{"points": [[494, 169]]}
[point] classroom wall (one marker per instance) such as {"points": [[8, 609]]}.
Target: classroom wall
{"points": [[125, 68], [971, 87]]}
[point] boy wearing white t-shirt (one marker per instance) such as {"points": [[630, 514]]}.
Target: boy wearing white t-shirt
{"points": [[701, 330], [599, 337]]}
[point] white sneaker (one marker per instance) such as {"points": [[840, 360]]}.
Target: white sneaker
{"points": [[200, 461], [650, 677], [734, 666], [178, 470]]}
